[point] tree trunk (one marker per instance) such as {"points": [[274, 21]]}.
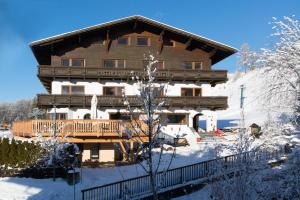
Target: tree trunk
{"points": [[150, 137]]}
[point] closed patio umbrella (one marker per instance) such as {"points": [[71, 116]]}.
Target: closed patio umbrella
{"points": [[94, 103]]}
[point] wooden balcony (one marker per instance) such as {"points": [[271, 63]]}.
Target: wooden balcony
{"points": [[47, 73], [82, 130], [82, 101]]}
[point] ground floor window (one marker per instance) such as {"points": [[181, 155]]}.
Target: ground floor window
{"points": [[175, 118], [94, 151], [58, 116]]}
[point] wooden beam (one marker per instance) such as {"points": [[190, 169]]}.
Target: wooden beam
{"points": [[108, 40], [161, 40], [135, 25], [81, 140], [188, 43], [212, 53]]}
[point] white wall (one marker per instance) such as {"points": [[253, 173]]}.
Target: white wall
{"points": [[173, 89], [91, 88]]}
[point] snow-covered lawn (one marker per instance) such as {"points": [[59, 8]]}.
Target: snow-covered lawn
{"points": [[36, 189]]}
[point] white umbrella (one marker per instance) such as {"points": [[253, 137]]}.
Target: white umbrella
{"points": [[94, 103]]}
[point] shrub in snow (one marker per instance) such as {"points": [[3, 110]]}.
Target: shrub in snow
{"points": [[19, 154]]}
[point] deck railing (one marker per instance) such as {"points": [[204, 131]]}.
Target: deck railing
{"points": [[216, 76], [99, 128], [49, 100], [139, 187]]}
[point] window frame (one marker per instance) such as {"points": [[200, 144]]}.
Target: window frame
{"points": [[115, 90], [141, 45], [145, 64], [193, 65], [128, 41], [116, 63], [164, 44], [70, 60], [193, 92], [70, 89]]}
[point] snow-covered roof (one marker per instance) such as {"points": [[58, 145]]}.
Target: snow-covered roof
{"points": [[138, 18]]}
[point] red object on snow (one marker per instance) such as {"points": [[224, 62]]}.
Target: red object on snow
{"points": [[199, 139], [219, 132]]}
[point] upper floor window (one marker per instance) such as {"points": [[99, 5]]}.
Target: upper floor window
{"points": [[191, 92], [158, 92], [123, 40], [143, 41], [192, 65], [73, 62], [72, 89], [168, 42], [159, 65], [110, 63], [112, 91]]}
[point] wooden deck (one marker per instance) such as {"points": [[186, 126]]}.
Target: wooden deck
{"points": [[82, 130]]}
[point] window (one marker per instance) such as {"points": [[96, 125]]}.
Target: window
{"points": [[94, 151], [158, 92], [191, 92], [72, 89], [112, 91], [123, 40], [119, 116], [143, 41], [58, 116], [73, 62], [176, 118], [168, 42], [192, 65], [114, 63], [159, 65]]}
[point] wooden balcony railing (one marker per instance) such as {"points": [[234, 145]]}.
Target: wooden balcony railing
{"points": [[48, 101], [210, 76], [80, 128]]}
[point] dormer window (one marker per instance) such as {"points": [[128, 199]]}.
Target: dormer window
{"points": [[73, 62], [192, 65], [114, 63], [143, 41], [123, 40]]}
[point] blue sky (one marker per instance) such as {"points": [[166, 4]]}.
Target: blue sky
{"points": [[231, 22]]}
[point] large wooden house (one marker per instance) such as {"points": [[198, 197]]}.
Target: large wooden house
{"points": [[99, 60]]}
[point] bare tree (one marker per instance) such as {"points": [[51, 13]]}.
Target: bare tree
{"points": [[247, 58], [150, 152], [281, 68]]}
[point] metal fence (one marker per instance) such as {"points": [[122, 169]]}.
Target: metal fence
{"points": [[138, 187]]}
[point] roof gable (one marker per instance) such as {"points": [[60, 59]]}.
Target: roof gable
{"points": [[218, 50]]}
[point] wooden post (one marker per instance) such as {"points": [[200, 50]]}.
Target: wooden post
{"points": [[131, 152]]}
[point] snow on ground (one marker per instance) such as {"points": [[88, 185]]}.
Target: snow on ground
{"points": [[5, 134], [40, 189], [204, 193], [255, 105]]}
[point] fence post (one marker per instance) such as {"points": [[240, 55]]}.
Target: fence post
{"points": [[82, 195], [121, 190], [181, 175]]}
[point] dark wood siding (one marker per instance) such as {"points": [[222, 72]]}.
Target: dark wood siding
{"points": [[94, 52]]}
